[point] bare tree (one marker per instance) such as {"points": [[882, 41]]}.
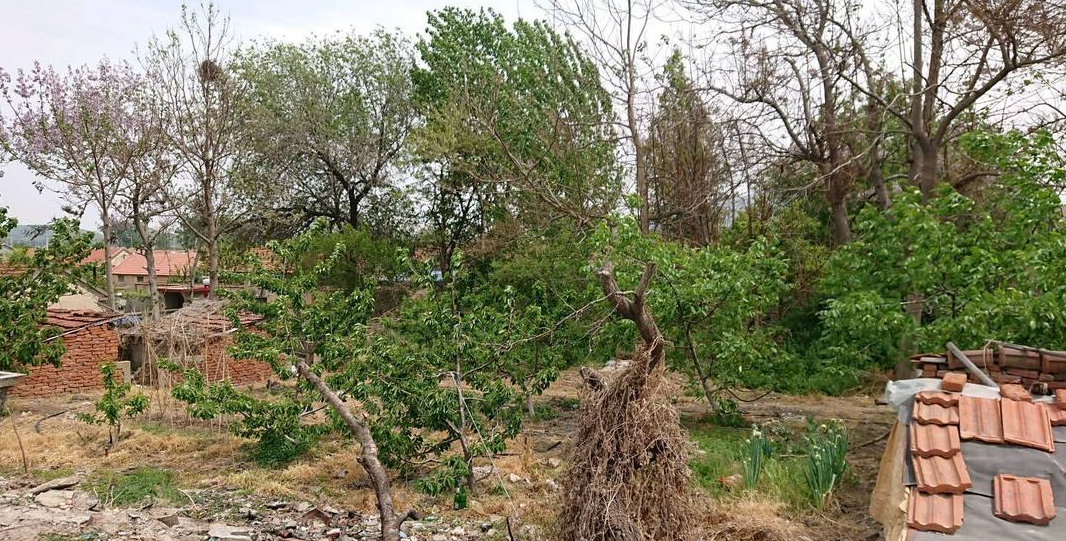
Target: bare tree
{"points": [[790, 63], [73, 128], [962, 50], [140, 194], [616, 36], [202, 109]]}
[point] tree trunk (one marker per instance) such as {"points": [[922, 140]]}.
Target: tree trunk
{"points": [[105, 223], [153, 286], [212, 257], [841, 225], [368, 457], [927, 171], [639, 172], [149, 259]]}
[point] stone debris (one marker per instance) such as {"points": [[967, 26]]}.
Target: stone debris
{"points": [[55, 484], [69, 512]]}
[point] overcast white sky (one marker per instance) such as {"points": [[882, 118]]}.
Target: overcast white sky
{"points": [[73, 32]]}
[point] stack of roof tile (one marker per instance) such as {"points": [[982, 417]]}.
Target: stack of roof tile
{"points": [[1004, 365], [936, 452], [942, 420]]}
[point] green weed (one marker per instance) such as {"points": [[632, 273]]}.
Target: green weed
{"points": [[120, 489]]}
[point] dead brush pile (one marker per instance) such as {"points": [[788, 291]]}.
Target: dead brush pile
{"points": [[629, 477]]}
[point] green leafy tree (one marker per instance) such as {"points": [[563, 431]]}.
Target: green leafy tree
{"points": [[983, 266], [116, 404], [330, 120], [515, 127], [28, 286]]}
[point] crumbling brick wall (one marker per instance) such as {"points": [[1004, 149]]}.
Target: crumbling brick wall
{"points": [[218, 365], [79, 370]]}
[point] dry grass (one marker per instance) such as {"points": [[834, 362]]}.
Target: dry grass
{"points": [[751, 518]]}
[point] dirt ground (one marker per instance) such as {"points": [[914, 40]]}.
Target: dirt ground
{"points": [[216, 482]]}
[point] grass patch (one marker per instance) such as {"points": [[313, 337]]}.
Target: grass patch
{"points": [[89, 536], [52, 473], [121, 489], [725, 449], [544, 412]]}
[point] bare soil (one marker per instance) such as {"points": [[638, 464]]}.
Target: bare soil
{"points": [[524, 483]]}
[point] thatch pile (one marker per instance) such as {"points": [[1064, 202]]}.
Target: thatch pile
{"points": [[629, 478]]}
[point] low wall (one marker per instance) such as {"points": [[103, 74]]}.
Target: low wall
{"points": [[79, 370], [218, 365]]}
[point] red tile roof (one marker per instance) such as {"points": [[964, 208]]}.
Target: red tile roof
{"points": [[933, 440], [73, 319], [167, 263], [980, 419], [1023, 499], [935, 512], [1026, 423], [97, 254], [939, 475], [933, 414]]}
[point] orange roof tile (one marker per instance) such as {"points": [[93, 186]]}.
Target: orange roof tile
{"points": [[980, 419], [1060, 397], [940, 398], [97, 254], [933, 414], [1055, 414], [933, 440], [1026, 423], [1023, 499], [935, 512], [1014, 391], [167, 263], [939, 475]]}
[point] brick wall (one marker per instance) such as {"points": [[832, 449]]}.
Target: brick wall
{"points": [[80, 367], [218, 365]]}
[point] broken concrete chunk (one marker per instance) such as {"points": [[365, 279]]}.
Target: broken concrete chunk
{"points": [[56, 498], [56, 484], [225, 532]]}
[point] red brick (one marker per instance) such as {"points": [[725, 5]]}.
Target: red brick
{"points": [[953, 382]]}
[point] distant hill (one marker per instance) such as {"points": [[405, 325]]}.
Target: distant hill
{"points": [[37, 235]]}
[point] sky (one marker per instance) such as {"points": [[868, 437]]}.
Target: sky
{"points": [[75, 32]]}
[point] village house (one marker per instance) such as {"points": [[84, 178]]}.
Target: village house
{"points": [[174, 276]]}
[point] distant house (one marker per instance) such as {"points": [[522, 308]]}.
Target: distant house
{"points": [[175, 271], [96, 259]]}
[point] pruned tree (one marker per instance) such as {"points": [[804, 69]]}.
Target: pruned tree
{"points": [[628, 476], [74, 128], [202, 109], [329, 121]]}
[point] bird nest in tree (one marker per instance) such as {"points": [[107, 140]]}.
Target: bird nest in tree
{"points": [[629, 477]]}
